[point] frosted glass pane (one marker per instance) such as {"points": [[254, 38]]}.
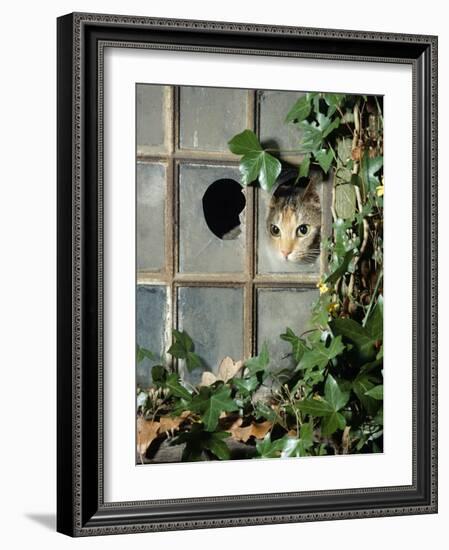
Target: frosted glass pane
{"points": [[278, 309], [273, 131], [151, 313], [200, 249], [150, 118], [150, 216], [213, 317], [210, 117]]}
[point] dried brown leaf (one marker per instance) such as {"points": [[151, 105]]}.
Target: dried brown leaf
{"points": [[147, 431], [172, 423], [257, 430], [228, 369]]}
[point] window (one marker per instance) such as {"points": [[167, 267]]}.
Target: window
{"points": [[202, 264]]}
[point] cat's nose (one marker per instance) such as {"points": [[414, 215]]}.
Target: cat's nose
{"points": [[285, 253]]}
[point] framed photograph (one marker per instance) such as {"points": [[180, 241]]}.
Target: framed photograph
{"points": [[247, 274]]}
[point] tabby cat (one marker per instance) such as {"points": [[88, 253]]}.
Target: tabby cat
{"points": [[294, 222]]}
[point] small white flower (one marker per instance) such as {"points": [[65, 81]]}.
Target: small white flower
{"points": [[142, 398]]}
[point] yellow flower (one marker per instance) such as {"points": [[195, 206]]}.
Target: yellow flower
{"points": [[323, 287], [333, 308], [380, 190]]}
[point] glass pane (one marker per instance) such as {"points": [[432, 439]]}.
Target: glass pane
{"points": [[273, 108], [270, 257], [210, 117], [213, 318], [151, 314], [150, 216], [201, 250], [150, 118], [278, 309]]}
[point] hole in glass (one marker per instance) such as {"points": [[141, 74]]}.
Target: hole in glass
{"points": [[223, 203]]}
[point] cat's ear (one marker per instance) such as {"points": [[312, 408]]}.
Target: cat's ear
{"points": [[311, 195]]}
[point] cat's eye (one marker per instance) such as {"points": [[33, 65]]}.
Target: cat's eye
{"points": [[274, 230], [302, 230]]}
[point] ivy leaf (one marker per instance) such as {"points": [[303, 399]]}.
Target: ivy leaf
{"points": [[377, 392], [358, 335], [210, 403], [315, 407], [183, 348], [246, 385], [320, 355], [332, 422], [270, 449], [260, 362], [298, 345], [341, 269], [143, 353], [304, 167], [197, 440], [159, 374], [334, 395], [262, 166], [244, 143], [324, 157], [368, 169], [333, 101], [300, 110], [175, 387], [375, 322], [264, 411], [193, 361], [255, 163], [361, 385]]}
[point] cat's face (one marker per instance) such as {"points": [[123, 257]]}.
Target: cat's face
{"points": [[294, 223]]}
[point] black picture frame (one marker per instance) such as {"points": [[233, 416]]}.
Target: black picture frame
{"points": [[81, 509]]}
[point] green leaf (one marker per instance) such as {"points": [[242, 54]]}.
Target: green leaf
{"points": [[159, 374], [300, 110], [182, 348], [298, 345], [334, 395], [375, 321], [358, 335], [262, 166], [218, 447], [176, 388], [210, 403], [244, 143], [304, 167], [143, 353], [341, 269], [320, 355], [255, 162], [377, 392], [312, 137], [332, 422], [260, 362], [193, 361], [197, 440], [246, 385], [315, 407], [264, 411], [345, 201], [324, 157], [333, 101], [361, 385], [270, 449], [368, 169]]}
